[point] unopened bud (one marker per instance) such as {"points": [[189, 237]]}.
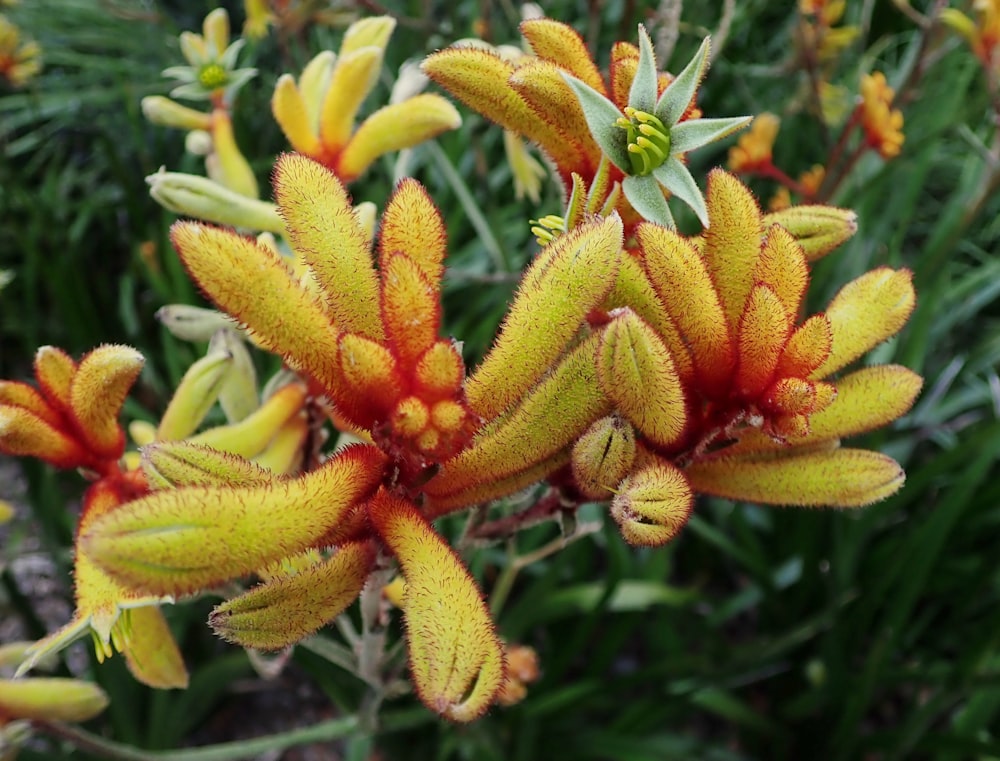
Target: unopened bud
{"points": [[204, 199], [51, 699], [172, 464], [193, 323], [653, 504], [169, 113], [818, 229], [603, 456], [198, 391]]}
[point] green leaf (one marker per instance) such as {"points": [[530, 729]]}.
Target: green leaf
{"points": [[692, 134], [642, 95], [676, 98], [601, 115], [675, 177], [646, 198]]}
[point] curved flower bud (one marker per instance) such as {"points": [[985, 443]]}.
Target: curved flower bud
{"points": [[395, 127], [837, 478], [568, 279], [603, 456], [637, 374], [100, 385], [456, 659], [196, 394], [817, 229], [283, 610], [178, 541], [324, 230], [652, 504], [549, 419], [51, 699], [866, 312], [202, 198]]}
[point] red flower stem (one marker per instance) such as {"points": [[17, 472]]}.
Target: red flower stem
{"points": [[546, 507], [770, 171], [828, 189], [835, 172]]}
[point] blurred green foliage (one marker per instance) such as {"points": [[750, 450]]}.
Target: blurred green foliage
{"points": [[760, 633]]}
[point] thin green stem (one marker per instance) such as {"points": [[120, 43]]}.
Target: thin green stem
{"points": [[490, 242], [325, 731]]}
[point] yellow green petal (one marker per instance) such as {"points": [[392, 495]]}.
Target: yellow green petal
{"points": [[412, 225], [151, 652], [354, 75], [685, 287], [637, 374], [567, 280], [51, 699], [394, 127], [732, 241], [652, 504], [177, 541], [324, 230], [292, 114], [251, 436], [456, 659], [867, 399], [817, 229], [215, 29], [837, 478], [281, 315], [865, 312], [280, 612]]}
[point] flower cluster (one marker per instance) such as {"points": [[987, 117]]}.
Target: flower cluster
{"points": [[635, 366], [20, 61]]}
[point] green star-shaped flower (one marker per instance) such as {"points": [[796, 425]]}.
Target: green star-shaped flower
{"points": [[649, 140]]}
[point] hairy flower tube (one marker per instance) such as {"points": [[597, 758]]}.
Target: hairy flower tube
{"points": [[642, 122], [317, 113]]}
